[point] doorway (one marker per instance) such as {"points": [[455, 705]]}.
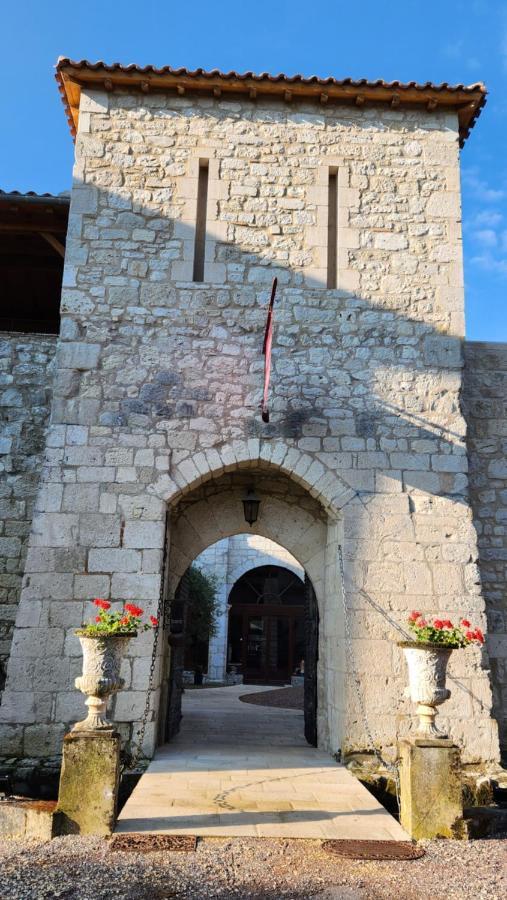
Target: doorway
{"points": [[266, 642]]}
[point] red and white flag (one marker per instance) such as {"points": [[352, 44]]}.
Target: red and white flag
{"points": [[266, 349]]}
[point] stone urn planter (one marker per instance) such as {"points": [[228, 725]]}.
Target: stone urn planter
{"points": [[102, 656], [427, 669], [104, 642], [427, 657]]}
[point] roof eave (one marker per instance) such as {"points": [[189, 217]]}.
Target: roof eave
{"points": [[466, 100]]}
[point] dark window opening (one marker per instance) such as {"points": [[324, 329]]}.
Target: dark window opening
{"points": [[332, 230], [32, 245], [200, 220]]}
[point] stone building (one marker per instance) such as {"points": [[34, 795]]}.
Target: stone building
{"points": [[191, 190], [228, 561]]}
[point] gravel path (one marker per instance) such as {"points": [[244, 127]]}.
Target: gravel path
{"points": [[74, 868]]}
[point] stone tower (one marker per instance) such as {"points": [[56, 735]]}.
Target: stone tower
{"points": [[190, 192]]}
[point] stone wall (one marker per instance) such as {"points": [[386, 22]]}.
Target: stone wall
{"points": [[159, 379], [485, 404], [25, 396]]}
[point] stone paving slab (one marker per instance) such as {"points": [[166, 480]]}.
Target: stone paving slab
{"points": [[206, 785]]}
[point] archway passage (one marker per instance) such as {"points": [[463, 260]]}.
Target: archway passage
{"points": [[267, 623], [266, 640], [241, 769]]}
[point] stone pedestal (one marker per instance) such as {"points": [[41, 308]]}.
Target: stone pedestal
{"points": [[89, 781], [430, 785]]}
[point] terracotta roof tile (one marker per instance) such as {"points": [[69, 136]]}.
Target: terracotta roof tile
{"points": [[466, 100]]}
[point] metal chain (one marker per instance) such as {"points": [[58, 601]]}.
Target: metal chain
{"points": [[391, 767], [161, 615]]}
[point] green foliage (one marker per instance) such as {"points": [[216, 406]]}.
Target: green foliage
{"points": [[202, 606]]}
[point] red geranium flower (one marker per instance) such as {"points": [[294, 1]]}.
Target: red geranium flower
{"points": [[154, 621], [104, 604], [479, 635], [134, 610], [124, 620], [414, 616], [465, 623], [438, 624], [448, 623], [470, 635], [422, 623], [97, 618]]}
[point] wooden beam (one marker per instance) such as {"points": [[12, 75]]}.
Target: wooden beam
{"points": [[55, 243], [32, 226], [376, 93]]}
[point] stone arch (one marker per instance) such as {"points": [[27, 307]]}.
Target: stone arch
{"points": [[250, 557], [320, 480], [208, 507], [263, 559]]}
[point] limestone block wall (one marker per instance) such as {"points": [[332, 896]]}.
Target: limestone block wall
{"points": [[25, 395], [159, 379], [485, 405]]}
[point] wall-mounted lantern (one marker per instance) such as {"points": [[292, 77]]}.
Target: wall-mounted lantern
{"points": [[251, 505]]}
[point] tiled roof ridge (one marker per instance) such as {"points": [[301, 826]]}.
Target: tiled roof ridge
{"points": [[64, 196], [266, 76], [69, 78]]}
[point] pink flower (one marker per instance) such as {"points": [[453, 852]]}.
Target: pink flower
{"points": [[422, 623], [448, 623], [414, 616]]}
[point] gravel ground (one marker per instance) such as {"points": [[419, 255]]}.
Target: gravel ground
{"points": [[75, 868], [284, 698]]}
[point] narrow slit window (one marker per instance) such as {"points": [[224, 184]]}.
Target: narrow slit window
{"points": [[332, 229], [200, 220]]}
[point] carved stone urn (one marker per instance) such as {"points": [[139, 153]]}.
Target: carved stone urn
{"points": [[427, 668], [102, 658]]}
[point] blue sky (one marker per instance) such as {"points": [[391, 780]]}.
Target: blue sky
{"points": [[454, 41]]}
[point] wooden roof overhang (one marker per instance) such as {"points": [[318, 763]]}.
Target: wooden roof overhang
{"points": [[466, 101], [41, 214]]}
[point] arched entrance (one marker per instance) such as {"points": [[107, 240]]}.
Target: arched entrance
{"points": [[266, 639], [291, 517]]}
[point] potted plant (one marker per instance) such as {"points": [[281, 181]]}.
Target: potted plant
{"points": [[427, 656], [104, 642]]}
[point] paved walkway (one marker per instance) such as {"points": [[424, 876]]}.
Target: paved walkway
{"points": [[242, 770]]}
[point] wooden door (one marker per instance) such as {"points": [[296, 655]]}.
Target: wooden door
{"points": [[311, 660]]}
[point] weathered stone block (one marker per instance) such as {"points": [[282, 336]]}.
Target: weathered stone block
{"points": [[430, 786], [74, 355], [89, 781]]}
